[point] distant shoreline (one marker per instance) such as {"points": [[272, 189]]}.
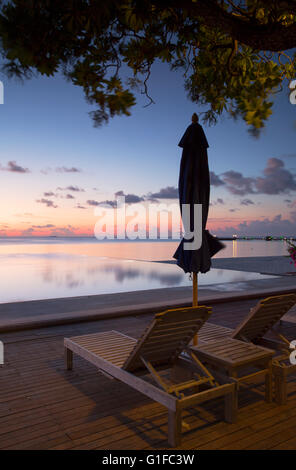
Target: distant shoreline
{"points": [[116, 240]]}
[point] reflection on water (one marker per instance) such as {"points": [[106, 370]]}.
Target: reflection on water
{"points": [[121, 274], [111, 273], [46, 275]]}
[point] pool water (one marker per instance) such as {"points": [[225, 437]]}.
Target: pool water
{"points": [[35, 276]]}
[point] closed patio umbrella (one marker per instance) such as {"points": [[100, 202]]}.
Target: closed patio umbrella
{"points": [[194, 188]]}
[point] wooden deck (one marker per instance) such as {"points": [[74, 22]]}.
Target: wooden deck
{"points": [[43, 406]]}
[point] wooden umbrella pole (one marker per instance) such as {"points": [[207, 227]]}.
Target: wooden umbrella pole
{"points": [[194, 301]]}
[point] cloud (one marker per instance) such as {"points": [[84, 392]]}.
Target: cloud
{"points": [[133, 198], [43, 226], [91, 202], [13, 167], [246, 202], [79, 206], [64, 231], [237, 183], [219, 201], [276, 179], [215, 179], [71, 188], [60, 169], [47, 202], [106, 203], [129, 198], [52, 194], [291, 204], [152, 199], [233, 210], [170, 192], [64, 169], [45, 171]]}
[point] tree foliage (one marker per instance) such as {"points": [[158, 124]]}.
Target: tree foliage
{"points": [[235, 55]]}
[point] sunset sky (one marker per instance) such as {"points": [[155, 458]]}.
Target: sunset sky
{"points": [[56, 167]]}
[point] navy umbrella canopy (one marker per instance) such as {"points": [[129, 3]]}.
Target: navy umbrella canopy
{"points": [[194, 188]]}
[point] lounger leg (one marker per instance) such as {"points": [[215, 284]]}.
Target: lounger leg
{"points": [[174, 428], [69, 358], [280, 390], [280, 381], [234, 375], [268, 383], [231, 405]]}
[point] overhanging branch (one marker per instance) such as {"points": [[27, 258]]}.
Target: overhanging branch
{"points": [[272, 36]]}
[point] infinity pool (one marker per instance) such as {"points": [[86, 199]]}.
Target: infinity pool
{"points": [[38, 276]]}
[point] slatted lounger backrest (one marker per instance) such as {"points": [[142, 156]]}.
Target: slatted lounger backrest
{"points": [[263, 317], [166, 337]]}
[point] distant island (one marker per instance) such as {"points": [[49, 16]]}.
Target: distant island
{"points": [[266, 238]]}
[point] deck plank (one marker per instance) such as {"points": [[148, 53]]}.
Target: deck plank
{"points": [[43, 406]]}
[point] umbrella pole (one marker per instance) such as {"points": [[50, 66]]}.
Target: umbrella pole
{"points": [[194, 300]]}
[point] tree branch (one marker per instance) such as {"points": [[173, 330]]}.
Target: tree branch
{"points": [[273, 36]]}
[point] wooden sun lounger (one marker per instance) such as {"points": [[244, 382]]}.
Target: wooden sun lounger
{"points": [[121, 357], [259, 328]]}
